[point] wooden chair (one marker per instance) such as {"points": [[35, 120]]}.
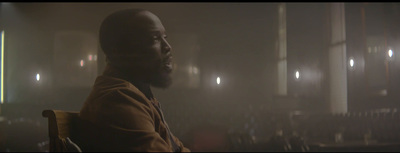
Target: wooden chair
{"points": [[62, 125]]}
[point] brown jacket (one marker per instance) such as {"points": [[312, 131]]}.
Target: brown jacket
{"points": [[117, 116]]}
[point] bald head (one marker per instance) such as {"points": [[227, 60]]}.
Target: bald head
{"points": [[134, 41], [123, 28]]}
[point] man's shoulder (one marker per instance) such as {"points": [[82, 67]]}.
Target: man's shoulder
{"points": [[113, 89], [110, 93], [108, 82]]}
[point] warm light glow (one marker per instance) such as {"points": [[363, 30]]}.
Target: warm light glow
{"points": [[195, 70], [190, 69], [390, 53], [218, 80], [351, 62], [82, 63], [297, 74], [2, 67], [90, 57], [37, 77]]}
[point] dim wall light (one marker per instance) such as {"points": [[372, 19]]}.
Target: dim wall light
{"points": [[37, 77], [297, 74], [351, 62], [82, 63], [390, 53]]}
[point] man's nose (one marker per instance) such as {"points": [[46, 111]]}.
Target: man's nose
{"points": [[167, 47]]}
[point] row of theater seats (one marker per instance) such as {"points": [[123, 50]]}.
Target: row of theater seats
{"points": [[23, 135], [246, 128], [249, 128], [354, 126]]}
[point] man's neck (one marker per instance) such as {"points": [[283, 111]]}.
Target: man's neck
{"points": [[142, 85]]}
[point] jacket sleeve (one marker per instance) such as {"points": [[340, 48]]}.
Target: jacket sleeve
{"points": [[180, 144], [131, 116]]}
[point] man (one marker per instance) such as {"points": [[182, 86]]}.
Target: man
{"points": [[121, 113]]}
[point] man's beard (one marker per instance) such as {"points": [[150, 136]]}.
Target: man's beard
{"points": [[161, 77], [156, 77], [152, 73], [160, 80]]}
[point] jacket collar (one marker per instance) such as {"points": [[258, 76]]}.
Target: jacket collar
{"points": [[141, 85]]}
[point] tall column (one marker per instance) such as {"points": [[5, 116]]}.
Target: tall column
{"points": [[337, 60], [281, 46]]}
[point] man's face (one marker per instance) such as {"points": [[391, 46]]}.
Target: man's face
{"points": [[150, 51]]}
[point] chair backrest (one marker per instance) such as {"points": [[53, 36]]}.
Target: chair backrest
{"points": [[62, 125]]}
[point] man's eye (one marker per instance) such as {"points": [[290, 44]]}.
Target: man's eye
{"points": [[156, 38]]}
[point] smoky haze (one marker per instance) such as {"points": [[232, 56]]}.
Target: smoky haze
{"points": [[225, 59]]}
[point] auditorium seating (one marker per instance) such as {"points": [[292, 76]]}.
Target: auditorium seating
{"points": [[260, 124]]}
